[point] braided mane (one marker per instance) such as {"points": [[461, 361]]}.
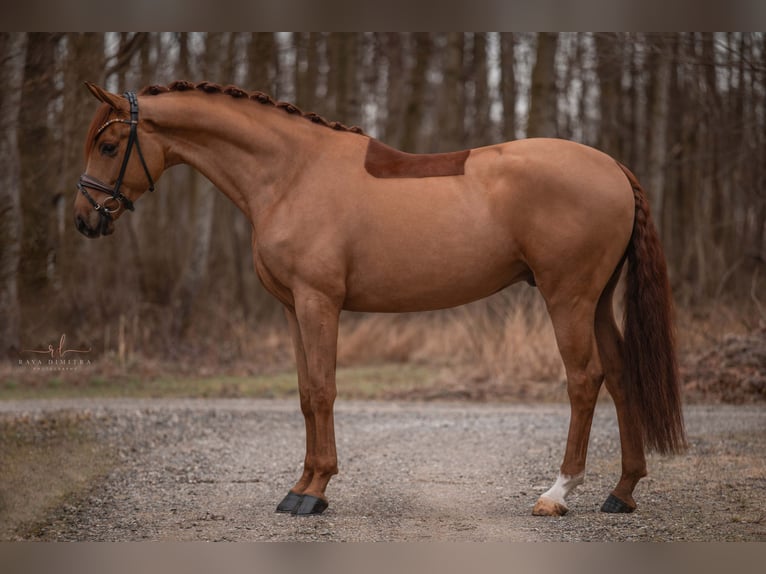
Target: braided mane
{"points": [[260, 97]]}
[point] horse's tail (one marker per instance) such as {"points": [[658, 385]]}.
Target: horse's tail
{"points": [[650, 368]]}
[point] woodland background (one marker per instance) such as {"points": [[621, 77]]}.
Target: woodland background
{"points": [[175, 288]]}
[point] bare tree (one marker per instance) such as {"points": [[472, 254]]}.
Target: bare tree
{"points": [[450, 134], [418, 81], [82, 60], [542, 106], [204, 197], [508, 83], [343, 55], [262, 62], [659, 68], [479, 132], [306, 68], [609, 67], [12, 54], [395, 88], [35, 145]]}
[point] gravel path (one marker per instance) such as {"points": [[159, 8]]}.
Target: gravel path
{"points": [[202, 469]]}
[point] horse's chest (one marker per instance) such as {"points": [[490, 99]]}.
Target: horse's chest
{"points": [[269, 279]]}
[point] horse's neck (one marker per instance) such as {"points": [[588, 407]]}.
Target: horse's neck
{"points": [[246, 149]]}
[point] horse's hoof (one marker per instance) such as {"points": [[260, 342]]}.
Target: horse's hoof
{"points": [[310, 505], [615, 505], [549, 507], [290, 502]]}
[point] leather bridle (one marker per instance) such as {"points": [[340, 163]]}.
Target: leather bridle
{"points": [[86, 181]]}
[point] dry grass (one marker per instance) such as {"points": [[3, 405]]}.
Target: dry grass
{"points": [[505, 336], [499, 348]]}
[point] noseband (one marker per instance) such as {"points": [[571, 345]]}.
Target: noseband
{"points": [[87, 181]]}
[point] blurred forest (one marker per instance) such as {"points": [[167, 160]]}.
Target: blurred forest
{"points": [[686, 111]]}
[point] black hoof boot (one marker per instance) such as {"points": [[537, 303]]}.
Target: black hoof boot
{"points": [[615, 505], [290, 502], [310, 505]]}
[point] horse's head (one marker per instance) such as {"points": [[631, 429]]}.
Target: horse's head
{"points": [[118, 169]]}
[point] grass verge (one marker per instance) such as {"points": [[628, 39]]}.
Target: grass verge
{"points": [[46, 461], [358, 382]]}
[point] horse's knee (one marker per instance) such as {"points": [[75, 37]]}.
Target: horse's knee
{"points": [[322, 398]]}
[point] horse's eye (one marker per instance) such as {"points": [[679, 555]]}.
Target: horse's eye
{"points": [[108, 149]]}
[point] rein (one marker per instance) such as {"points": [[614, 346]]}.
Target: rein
{"points": [[86, 181]]}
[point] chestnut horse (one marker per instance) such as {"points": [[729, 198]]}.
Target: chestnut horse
{"points": [[341, 221]]}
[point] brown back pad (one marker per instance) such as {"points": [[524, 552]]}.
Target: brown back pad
{"points": [[386, 162]]}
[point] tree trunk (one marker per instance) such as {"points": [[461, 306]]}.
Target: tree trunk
{"points": [[261, 58], [12, 51], [756, 238], [395, 89], [479, 130], [35, 145], [508, 83], [84, 61], [673, 206], [306, 69], [659, 64], [342, 86], [609, 78], [450, 133], [542, 107], [710, 104], [413, 114], [638, 112], [204, 197], [582, 104]]}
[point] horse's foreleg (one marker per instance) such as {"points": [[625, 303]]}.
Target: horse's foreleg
{"points": [[315, 323], [577, 344], [293, 499]]}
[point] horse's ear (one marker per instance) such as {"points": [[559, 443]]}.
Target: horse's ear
{"points": [[113, 100]]}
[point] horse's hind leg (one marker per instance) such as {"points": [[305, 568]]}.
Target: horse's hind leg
{"points": [[314, 328], [573, 321], [633, 460]]}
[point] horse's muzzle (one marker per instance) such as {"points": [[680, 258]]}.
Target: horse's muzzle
{"points": [[104, 227]]}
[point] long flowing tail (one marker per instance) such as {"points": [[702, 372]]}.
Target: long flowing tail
{"points": [[650, 368]]}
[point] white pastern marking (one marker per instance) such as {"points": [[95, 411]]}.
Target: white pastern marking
{"points": [[563, 486]]}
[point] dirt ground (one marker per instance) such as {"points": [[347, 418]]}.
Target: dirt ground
{"points": [[214, 469]]}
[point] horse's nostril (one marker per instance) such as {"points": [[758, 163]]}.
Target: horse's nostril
{"points": [[83, 227]]}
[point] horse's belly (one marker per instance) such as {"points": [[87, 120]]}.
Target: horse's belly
{"points": [[422, 282], [430, 249]]}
